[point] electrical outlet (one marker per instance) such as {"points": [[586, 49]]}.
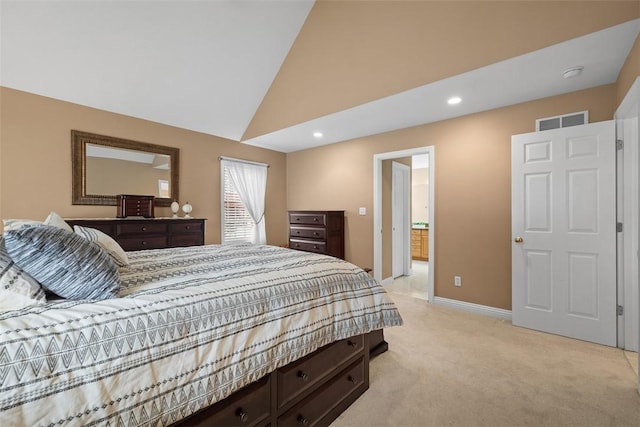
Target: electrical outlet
{"points": [[457, 280]]}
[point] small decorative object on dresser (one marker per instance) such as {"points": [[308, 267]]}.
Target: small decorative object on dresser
{"points": [[133, 205], [187, 208], [175, 207], [134, 234], [317, 231]]}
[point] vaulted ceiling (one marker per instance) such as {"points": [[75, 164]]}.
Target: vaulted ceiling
{"points": [[271, 73]]}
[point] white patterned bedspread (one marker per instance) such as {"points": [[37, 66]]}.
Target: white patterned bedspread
{"points": [[192, 326]]}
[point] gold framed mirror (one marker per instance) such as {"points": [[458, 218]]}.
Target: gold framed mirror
{"points": [[104, 166]]}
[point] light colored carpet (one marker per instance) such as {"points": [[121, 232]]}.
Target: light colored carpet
{"points": [[446, 367]]}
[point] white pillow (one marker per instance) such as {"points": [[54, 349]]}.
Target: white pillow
{"points": [[57, 221], [17, 288], [106, 242]]}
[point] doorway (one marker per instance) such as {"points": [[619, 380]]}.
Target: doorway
{"points": [[386, 278]]}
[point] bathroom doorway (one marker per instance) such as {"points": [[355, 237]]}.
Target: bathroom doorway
{"points": [[419, 280]]}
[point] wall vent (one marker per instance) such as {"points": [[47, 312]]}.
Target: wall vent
{"points": [[566, 120]]}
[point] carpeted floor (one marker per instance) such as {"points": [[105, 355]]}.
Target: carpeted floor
{"points": [[447, 367]]}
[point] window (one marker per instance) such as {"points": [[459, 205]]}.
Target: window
{"points": [[163, 188], [237, 224], [243, 198]]}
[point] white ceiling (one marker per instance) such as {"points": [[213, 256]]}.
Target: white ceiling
{"points": [[206, 66]]}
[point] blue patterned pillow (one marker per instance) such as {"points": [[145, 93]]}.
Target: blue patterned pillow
{"points": [[63, 262], [17, 288]]}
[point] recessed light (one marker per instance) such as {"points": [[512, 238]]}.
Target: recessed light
{"points": [[572, 72], [317, 134], [454, 100]]}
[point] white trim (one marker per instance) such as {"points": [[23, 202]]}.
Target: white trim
{"points": [[628, 129], [629, 106], [377, 210], [474, 308]]}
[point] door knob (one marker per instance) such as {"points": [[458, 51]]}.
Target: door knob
{"points": [[518, 239]]}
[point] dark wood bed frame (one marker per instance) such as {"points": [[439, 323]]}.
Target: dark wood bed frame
{"points": [[312, 391]]}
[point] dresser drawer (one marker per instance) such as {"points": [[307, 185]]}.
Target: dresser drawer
{"points": [[142, 242], [186, 227], [307, 218], [248, 407], [141, 227], [296, 378], [192, 239], [308, 232], [309, 246], [312, 411]]}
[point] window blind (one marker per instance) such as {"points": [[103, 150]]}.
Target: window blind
{"points": [[237, 223]]}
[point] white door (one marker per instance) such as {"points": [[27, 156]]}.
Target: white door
{"points": [[399, 219], [563, 195]]}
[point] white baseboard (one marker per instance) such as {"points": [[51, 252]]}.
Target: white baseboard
{"points": [[388, 281], [474, 308]]}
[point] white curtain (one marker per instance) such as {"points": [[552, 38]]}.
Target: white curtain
{"points": [[250, 182]]}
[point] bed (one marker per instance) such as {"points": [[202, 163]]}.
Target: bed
{"points": [[192, 333]]}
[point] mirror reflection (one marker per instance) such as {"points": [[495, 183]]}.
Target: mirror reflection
{"points": [[138, 172], [104, 167]]}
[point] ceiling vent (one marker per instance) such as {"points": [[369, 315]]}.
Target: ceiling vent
{"points": [[566, 120]]}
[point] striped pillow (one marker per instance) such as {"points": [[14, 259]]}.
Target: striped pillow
{"points": [[63, 262], [106, 242], [17, 288]]}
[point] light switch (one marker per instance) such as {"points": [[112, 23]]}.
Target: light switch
{"points": [[362, 211]]}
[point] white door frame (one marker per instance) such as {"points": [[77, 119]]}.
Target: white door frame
{"points": [[377, 210], [628, 129], [403, 240]]}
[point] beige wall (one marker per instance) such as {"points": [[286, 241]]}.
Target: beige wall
{"points": [[352, 52], [629, 72], [35, 167], [472, 188]]}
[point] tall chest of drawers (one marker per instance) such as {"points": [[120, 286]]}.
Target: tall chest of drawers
{"points": [[317, 231], [135, 234]]}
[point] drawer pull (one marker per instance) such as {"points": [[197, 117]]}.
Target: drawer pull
{"points": [[352, 344], [144, 243], [351, 379], [244, 415], [303, 376], [315, 219], [144, 228], [315, 246], [186, 227], [302, 420], [315, 233]]}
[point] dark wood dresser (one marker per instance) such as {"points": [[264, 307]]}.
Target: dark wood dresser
{"points": [[317, 231], [135, 234]]}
